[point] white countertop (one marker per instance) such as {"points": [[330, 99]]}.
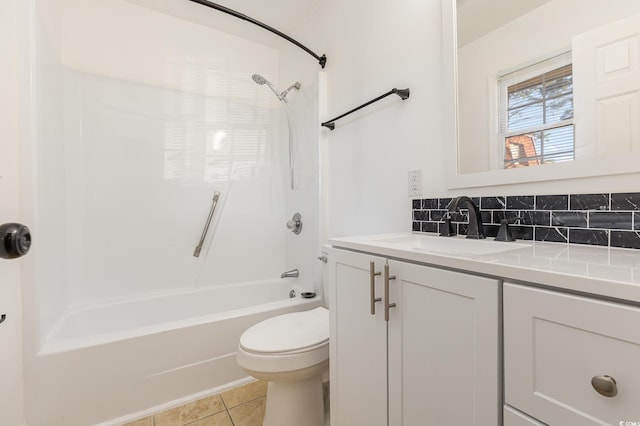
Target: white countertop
{"points": [[603, 271]]}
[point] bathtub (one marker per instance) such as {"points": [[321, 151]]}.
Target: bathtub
{"points": [[123, 360]]}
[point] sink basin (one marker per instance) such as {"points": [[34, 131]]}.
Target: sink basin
{"points": [[451, 245]]}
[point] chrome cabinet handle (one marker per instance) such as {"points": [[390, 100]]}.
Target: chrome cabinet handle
{"points": [[372, 283], [196, 252], [605, 385], [387, 305]]}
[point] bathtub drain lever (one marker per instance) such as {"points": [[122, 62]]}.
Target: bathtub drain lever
{"points": [[2, 318]]}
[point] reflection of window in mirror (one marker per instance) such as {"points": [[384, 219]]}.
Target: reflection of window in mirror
{"points": [[604, 41], [536, 113]]}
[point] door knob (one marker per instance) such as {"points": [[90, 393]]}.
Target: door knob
{"points": [[15, 240]]}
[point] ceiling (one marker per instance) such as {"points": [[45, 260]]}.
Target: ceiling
{"points": [[475, 17], [479, 17], [284, 15]]}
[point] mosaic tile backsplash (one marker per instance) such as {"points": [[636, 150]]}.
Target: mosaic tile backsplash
{"points": [[608, 219]]}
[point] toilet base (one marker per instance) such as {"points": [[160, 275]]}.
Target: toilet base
{"points": [[295, 403]]}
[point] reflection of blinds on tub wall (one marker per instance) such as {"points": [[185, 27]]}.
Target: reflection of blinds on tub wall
{"points": [[535, 113], [607, 89]]}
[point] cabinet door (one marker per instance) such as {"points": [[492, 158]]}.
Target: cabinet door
{"points": [[443, 348], [555, 344], [358, 348]]}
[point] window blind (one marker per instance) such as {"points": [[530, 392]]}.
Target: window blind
{"points": [[536, 113]]}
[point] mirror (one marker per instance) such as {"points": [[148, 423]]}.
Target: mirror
{"points": [[489, 43]]}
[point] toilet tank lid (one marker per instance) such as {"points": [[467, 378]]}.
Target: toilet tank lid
{"points": [[288, 332]]}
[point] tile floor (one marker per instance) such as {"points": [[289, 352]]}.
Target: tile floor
{"points": [[241, 406]]}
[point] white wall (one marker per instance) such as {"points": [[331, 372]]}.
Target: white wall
{"points": [[136, 129], [11, 391], [372, 47]]}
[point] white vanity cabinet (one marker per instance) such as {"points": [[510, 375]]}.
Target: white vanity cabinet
{"points": [[358, 356], [434, 362], [555, 344]]}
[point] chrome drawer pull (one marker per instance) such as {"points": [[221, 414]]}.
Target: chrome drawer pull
{"points": [[387, 305], [372, 282], [605, 385]]}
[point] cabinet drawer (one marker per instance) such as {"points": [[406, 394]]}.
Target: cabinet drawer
{"points": [[515, 418], [556, 343]]}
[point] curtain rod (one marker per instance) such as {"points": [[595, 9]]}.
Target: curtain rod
{"points": [[322, 60], [403, 93]]}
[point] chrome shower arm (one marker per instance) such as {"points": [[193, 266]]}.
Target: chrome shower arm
{"points": [[284, 93]]}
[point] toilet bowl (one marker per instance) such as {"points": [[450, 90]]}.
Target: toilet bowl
{"points": [[290, 352]]}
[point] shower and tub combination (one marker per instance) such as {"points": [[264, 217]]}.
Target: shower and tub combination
{"points": [[121, 319]]}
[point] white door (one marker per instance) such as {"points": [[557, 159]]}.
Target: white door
{"points": [[358, 341], [606, 88], [11, 412], [443, 348]]}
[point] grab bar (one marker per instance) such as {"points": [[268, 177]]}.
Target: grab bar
{"points": [[216, 195]]}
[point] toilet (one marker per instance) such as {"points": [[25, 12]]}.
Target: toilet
{"points": [[291, 353]]}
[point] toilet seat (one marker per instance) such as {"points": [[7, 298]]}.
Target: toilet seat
{"points": [[292, 333], [286, 343]]}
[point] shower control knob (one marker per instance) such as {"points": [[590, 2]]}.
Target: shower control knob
{"points": [[15, 240], [295, 224]]}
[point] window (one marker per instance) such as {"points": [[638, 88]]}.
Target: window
{"points": [[536, 114]]}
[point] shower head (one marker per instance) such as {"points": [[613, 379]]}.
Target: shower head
{"points": [[261, 80], [281, 96], [295, 85]]}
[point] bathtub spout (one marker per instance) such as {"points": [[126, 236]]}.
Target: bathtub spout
{"points": [[294, 273]]}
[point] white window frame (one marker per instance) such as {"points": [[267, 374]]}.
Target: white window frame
{"points": [[512, 77]]}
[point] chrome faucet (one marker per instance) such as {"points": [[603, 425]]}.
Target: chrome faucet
{"points": [[294, 273], [475, 230]]}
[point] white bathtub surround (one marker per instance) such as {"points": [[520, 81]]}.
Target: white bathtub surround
{"points": [[134, 130]]}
